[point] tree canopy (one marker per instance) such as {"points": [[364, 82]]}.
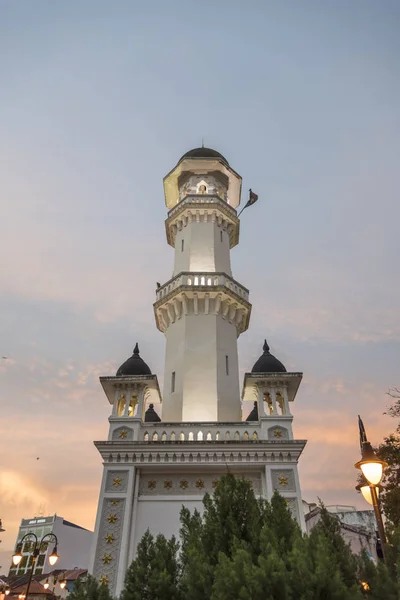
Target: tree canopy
{"points": [[244, 548]]}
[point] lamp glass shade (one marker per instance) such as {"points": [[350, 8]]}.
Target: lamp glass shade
{"points": [[372, 471], [366, 492], [63, 583], [46, 584], [7, 591], [53, 558], [17, 557]]}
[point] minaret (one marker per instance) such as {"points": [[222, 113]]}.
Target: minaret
{"points": [[151, 465], [202, 310]]}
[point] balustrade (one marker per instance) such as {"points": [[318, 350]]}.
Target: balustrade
{"points": [[189, 432]]}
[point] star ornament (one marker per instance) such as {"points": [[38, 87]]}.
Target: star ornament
{"points": [[200, 484], [184, 484], [277, 433], [104, 580], [114, 502], [107, 558], [152, 484], [283, 481], [117, 481], [112, 518], [109, 538], [168, 484], [123, 434]]}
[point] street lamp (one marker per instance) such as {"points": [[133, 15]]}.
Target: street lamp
{"points": [[372, 468], [17, 556], [364, 488]]}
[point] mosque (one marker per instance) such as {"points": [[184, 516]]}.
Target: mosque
{"points": [[166, 450]]}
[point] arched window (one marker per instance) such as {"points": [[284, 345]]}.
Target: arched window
{"points": [[245, 435], [173, 437], [280, 405], [155, 437], [146, 436], [190, 438], [227, 436], [121, 405], [209, 438], [218, 436], [132, 406], [237, 436], [200, 436], [182, 436], [255, 435], [203, 281], [267, 399], [164, 437]]}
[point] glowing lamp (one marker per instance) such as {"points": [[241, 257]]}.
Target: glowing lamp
{"points": [[370, 464], [7, 591], [53, 558], [46, 584], [63, 583], [17, 556]]}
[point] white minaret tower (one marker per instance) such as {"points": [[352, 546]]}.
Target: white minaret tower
{"points": [[202, 310], [151, 465]]}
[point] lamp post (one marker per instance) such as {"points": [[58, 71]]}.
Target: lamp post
{"points": [[17, 556], [372, 469]]}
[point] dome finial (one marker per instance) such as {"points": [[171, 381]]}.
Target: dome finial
{"points": [[136, 350], [266, 347]]}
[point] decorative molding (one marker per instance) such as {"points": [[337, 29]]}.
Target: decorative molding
{"points": [[175, 484], [283, 480], [109, 541], [117, 481], [278, 433], [122, 433]]}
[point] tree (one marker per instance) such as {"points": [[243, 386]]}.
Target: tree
{"points": [[389, 451], [88, 588], [244, 548], [155, 571]]}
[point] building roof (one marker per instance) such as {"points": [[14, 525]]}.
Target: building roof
{"points": [[135, 365], [35, 589], [150, 416], [204, 153], [253, 416], [74, 574], [267, 363]]}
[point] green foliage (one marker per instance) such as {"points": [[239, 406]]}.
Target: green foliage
{"points": [[89, 588], [390, 491], [155, 571], [243, 548]]}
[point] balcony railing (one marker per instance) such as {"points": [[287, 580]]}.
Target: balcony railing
{"points": [[207, 280]]}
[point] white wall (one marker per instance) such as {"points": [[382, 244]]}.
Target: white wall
{"points": [[203, 250], [74, 546], [161, 516]]}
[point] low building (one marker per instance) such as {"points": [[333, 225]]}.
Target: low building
{"points": [[74, 545], [357, 528]]}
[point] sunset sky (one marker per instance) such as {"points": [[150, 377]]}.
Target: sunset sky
{"points": [[98, 102]]}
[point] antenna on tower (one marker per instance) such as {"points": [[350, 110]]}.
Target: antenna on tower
{"points": [[202, 142]]}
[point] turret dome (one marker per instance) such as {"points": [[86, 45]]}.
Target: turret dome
{"points": [[135, 365], [267, 363], [204, 153]]}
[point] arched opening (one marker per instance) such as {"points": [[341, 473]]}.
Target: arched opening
{"points": [[209, 281], [269, 408], [155, 437], [146, 437], [218, 436], [209, 438], [255, 435], [245, 435], [200, 436], [196, 281], [121, 405], [164, 437], [190, 438], [237, 436], [227, 436], [133, 402], [280, 404], [182, 436], [173, 437]]}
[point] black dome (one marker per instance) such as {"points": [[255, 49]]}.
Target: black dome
{"points": [[150, 416], [253, 416], [134, 365], [204, 153], [267, 363]]}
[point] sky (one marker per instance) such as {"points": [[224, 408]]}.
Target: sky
{"points": [[98, 101]]}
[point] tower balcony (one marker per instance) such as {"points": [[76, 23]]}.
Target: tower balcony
{"points": [[202, 208], [202, 293]]}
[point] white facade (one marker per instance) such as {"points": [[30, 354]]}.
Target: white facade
{"points": [[74, 545], [152, 468]]}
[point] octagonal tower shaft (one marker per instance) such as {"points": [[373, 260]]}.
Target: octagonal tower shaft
{"points": [[202, 309]]}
